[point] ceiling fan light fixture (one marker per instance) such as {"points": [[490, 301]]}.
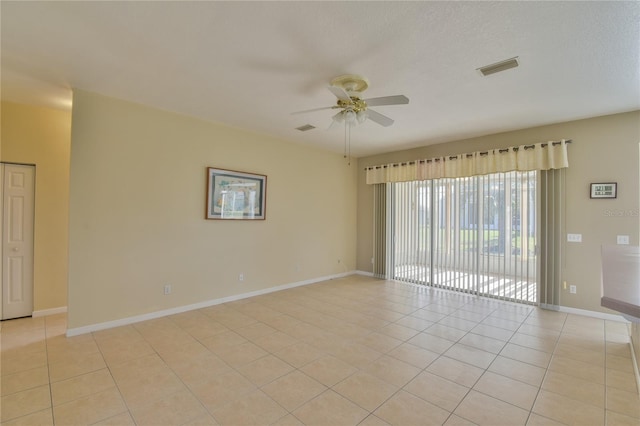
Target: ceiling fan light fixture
{"points": [[499, 66], [350, 116], [361, 116]]}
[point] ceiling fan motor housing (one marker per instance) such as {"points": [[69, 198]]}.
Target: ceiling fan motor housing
{"points": [[356, 104], [351, 83]]}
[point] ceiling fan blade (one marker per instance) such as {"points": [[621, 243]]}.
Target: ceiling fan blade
{"points": [[312, 110], [382, 120], [340, 93], [388, 100]]}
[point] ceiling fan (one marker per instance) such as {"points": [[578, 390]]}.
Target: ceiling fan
{"points": [[353, 109]]}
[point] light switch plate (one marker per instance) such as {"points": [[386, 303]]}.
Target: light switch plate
{"points": [[574, 238], [623, 240]]}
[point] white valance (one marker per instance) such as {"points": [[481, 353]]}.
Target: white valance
{"points": [[541, 156]]}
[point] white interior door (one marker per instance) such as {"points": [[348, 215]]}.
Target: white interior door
{"points": [[17, 240]]}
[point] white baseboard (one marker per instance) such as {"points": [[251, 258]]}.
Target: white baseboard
{"points": [[635, 364], [52, 311], [593, 314], [180, 309]]}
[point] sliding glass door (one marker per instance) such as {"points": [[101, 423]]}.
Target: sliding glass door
{"points": [[475, 234]]}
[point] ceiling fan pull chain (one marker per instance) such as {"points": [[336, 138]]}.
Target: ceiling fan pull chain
{"points": [[349, 146], [345, 139]]}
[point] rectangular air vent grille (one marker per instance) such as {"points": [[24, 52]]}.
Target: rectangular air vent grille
{"points": [[499, 66], [305, 128]]}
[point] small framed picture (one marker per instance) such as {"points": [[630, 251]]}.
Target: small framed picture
{"points": [[604, 190], [235, 195]]}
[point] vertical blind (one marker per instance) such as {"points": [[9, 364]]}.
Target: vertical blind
{"points": [[380, 230], [552, 206], [475, 234], [487, 223]]}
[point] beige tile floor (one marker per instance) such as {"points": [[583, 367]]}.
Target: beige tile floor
{"points": [[344, 352]]}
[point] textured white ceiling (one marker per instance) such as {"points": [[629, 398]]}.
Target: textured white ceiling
{"points": [[250, 64]]}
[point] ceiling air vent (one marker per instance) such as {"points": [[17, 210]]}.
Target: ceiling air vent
{"points": [[499, 66], [305, 128]]}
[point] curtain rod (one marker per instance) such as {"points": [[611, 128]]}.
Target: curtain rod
{"points": [[455, 157]]}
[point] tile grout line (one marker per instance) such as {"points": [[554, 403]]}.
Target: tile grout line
{"points": [[177, 375], [108, 367], [46, 353], [484, 372], [546, 370]]}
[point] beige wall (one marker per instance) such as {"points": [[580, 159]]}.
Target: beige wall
{"points": [[604, 149], [41, 136], [137, 212]]}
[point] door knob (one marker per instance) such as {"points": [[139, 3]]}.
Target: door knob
{"points": [[16, 249]]}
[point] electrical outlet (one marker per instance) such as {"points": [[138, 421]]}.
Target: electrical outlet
{"points": [[572, 289], [167, 289], [574, 238], [241, 277], [623, 239]]}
